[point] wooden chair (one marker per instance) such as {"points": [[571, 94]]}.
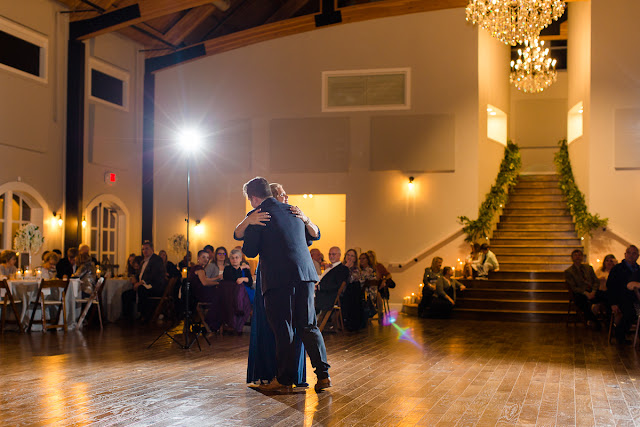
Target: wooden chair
{"points": [[41, 302], [335, 312], [166, 298], [93, 299], [7, 301]]}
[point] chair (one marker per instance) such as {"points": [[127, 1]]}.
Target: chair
{"points": [[43, 303], [336, 312], [572, 305], [7, 300], [93, 299], [636, 307], [166, 298]]}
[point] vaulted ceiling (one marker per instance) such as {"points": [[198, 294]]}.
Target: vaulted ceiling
{"points": [[195, 28]]}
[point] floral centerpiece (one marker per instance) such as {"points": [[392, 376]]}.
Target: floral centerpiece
{"points": [[28, 239], [178, 244]]}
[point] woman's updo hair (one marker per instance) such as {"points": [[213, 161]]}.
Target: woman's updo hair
{"points": [[51, 258]]}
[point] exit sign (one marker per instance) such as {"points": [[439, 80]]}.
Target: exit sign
{"points": [[110, 178]]}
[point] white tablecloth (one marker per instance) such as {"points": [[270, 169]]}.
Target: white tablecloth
{"points": [[26, 290], [112, 297]]}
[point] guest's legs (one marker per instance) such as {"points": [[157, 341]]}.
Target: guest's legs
{"points": [[277, 304], [306, 325], [128, 304], [585, 305]]}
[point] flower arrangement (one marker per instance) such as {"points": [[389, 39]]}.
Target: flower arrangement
{"points": [[178, 244], [496, 197], [585, 222], [29, 239]]}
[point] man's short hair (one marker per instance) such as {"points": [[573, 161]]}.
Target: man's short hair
{"points": [[72, 253], [148, 243], [577, 251], [257, 187], [207, 248], [632, 247], [484, 246], [202, 252]]}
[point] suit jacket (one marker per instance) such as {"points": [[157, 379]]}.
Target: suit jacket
{"points": [[64, 268], [329, 286], [581, 280], [155, 273], [619, 276], [283, 247]]}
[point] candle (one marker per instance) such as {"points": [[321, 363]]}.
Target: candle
{"points": [[38, 273], [184, 273], [18, 274], [27, 273], [98, 272]]}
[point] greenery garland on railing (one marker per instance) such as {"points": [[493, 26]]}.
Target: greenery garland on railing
{"points": [[496, 197], [585, 222]]}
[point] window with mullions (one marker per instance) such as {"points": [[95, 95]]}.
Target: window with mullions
{"points": [[20, 215], [22, 50], [104, 233]]}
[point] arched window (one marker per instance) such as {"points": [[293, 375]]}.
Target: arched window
{"points": [[104, 233], [20, 215]]}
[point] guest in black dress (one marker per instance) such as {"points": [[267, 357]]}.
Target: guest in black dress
{"points": [[353, 297]]}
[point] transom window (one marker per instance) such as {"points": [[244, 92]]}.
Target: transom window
{"points": [[23, 51], [104, 233]]}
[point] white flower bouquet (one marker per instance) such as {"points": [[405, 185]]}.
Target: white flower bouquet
{"points": [[29, 239], [178, 244]]}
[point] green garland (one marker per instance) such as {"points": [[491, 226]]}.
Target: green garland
{"points": [[496, 197], [585, 222]]}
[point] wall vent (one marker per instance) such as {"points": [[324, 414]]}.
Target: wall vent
{"points": [[366, 90]]}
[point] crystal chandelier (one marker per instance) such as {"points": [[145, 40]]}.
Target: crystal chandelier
{"points": [[514, 21], [534, 71]]}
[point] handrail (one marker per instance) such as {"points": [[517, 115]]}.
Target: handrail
{"points": [[396, 267]]}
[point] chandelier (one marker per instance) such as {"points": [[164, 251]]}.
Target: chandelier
{"points": [[534, 71], [514, 21]]}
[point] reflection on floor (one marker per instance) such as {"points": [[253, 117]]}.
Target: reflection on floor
{"points": [[420, 372]]}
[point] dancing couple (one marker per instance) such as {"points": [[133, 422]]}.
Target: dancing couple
{"points": [[281, 234]]}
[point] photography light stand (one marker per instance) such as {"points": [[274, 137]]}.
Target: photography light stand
{"points": [[189, 327]]}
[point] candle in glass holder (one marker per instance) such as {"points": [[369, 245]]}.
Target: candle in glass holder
{"points": [[27, 273], [184, 273], [38, 273], [18, 274], [98, 272]]}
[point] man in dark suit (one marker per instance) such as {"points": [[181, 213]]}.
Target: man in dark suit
{"points": [[584, 283], [287, 277], [151, 282], [330, 281], [622, 285], [67, 266]]}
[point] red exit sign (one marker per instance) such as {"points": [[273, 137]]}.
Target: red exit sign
{"points": [[110, 178]]}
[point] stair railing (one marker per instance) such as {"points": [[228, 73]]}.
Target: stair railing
{"points": [[480, 229]]}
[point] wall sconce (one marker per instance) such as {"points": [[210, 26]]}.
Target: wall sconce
{"points": [[56, 219], [84, 222], [198, 227], [60, 220], [410, 183]]}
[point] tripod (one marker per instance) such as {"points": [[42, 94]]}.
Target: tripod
{"points": [[189, 327]]}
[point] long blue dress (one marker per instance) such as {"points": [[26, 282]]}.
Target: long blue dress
{"points": [[262, 364]]}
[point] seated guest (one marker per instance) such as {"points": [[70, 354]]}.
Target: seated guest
{"points": [[369, 284], [171, 269], [383, 275], [239, 273], [429, 279], [212, 271], [44, 254], [86, 272], [318, 260], [8, 261], [446, 288], [131, 269], [487, 262], [331, 280], [151, 282], [186, 262], [602, 273], [221, 260], [472, 258], [67, 266], [582, 281], [205, 289], [48, 270], [85, 249], [353, 298], [620, 290]]}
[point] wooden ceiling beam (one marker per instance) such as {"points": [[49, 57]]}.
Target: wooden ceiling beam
{"points": [[137, 13], [350, 14], [287, 10], [189, 22]]}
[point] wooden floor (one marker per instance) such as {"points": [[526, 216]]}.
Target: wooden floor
{"points": [[440, 373]]}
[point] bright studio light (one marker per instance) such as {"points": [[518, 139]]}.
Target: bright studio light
{"points": [[190, 139]]}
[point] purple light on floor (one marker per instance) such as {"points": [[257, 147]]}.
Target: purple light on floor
{"points": [[405, 334]]}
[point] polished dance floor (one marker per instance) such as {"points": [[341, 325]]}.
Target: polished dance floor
{"points": [[416, 372]]}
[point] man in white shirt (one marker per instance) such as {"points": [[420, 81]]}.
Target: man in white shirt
{"points": [[487, 262]]}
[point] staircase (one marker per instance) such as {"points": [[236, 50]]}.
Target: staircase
{"points": [[533, 243]]}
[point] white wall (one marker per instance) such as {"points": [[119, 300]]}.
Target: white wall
{"points": [[33, 113], [615, 84], [282, 79]]}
